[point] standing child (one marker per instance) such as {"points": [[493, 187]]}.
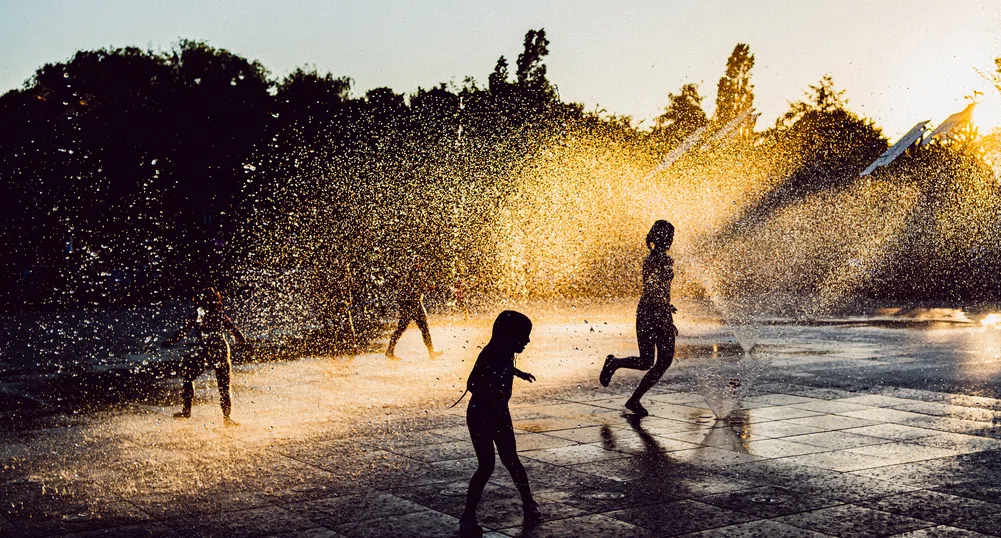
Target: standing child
{"points": [[489, 418], [211, 324]]}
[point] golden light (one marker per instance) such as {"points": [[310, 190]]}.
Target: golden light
{"points": [[987, 115], [991, 320]]}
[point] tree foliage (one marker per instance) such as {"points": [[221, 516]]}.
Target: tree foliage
{"points": [[994, 77], [682, 116], [824, 142], [734, 91], [129, 175]]}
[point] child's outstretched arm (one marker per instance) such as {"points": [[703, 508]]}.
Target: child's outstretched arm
{"points": [[234, 330], [189, 322], [524, 375]]}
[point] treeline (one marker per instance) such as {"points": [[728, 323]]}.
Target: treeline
{"points": [[130, 175], [120, 167]]}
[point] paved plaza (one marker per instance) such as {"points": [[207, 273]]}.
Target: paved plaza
{"points": [[799, 461]]}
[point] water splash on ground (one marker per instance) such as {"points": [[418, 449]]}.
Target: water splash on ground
{"points": [[725, 379]]}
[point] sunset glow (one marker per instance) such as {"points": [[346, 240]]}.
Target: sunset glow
{"points": [[900, 62]]}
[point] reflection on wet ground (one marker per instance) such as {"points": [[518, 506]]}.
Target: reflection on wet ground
{"points": [[853, 431]]}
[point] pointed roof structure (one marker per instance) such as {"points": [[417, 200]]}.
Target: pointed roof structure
{"points": [[959, 118], [898, 148]]}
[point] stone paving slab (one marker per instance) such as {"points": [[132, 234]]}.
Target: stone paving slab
{"points": [[941, 531], [757, 529], [264, 521], [850, 521], [681, 517], [799, 461]]}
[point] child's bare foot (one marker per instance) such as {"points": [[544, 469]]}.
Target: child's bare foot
{"points": [[533, 513], [606, 371], [637, 408], [229, 422], [469, 528], [182, 414], [392, 356], [434, 354]]}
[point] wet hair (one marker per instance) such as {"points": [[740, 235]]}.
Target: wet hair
{"points": [[510, 324], [660, 235], [208, 297]]}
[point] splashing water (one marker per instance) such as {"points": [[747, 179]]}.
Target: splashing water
{"points": [[747, 335], [724, 379]]}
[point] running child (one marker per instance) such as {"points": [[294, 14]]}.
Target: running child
{"points": [[655, 329]]}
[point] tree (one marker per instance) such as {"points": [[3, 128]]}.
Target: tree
{"points": [[531, 71], [305, 89], [142, 154], [385, 104], [994, 77], [535, 91], [436, 112], [682, 116], [822, 98], [510, 105], [821, 145], [499, 78], [734, 92], [828, 141]]}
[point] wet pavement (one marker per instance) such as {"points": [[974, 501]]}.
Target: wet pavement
{"points": [[799, 461], [852, 431]]}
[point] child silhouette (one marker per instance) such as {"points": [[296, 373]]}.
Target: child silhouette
{"points": [[211, 324], [411, 306], [489, 418], [655, 330]]}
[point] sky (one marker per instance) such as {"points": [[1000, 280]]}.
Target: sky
{"points": [[899, 61]]}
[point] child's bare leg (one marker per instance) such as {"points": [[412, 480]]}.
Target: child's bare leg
{"points": [[421, 317], [191, 368], [400, 328], [483, 445], [665, 356], [222, 375], [646, 360], [508, 451], [187, 397]]}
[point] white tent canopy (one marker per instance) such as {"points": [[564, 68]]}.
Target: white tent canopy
{"points": [[959, 118], [895, 150]]}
